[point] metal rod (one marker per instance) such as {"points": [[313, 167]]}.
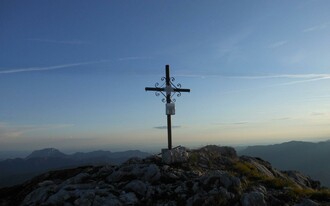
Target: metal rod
{"points": [[168, 100], [169, 132], [167, 69], [154, 89], [181, 90]]}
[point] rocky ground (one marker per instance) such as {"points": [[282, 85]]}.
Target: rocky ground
{"points": [[211, 175]]}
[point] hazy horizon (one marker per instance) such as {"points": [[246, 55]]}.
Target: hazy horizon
{"points": [[73, 73], [153, 149]]}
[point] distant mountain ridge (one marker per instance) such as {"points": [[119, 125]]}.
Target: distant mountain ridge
{"points": [[310, 158], [46, 153], [14, 171]]}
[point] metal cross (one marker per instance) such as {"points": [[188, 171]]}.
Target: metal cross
{"points": [[168, 90]]}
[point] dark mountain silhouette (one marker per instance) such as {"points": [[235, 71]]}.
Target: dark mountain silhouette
{"points": [[46, 153], [14, 171], [310, 158], [210, 175]]}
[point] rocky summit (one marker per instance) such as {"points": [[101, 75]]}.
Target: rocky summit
{"points": [[210, 175]]}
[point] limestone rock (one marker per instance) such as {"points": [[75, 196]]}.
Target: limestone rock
{"points": [[302, 180], [39, 195], [151, 173], [136, 186], [129, 198], [80, 178], [262, 166], [46, 183], [221, 151], [176, 155], [253, 199], [307, 202]]}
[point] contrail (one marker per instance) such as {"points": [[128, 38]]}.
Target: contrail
{"points": [[31, 69], [289, 76], [50, 67], [307, 80], [59, 41], [276, 76]]}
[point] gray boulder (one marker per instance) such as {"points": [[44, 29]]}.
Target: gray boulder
{"points": [[262, 166], [129, 198], [110, 200], [220, 178], [253, 199], [302, 180], [136, 186], [60, 197], [151, 173], [176, 155], [307, 202], [80, 178], [39, 195]]}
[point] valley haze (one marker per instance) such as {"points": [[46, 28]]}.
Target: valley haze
{"points": [[17, 170]]}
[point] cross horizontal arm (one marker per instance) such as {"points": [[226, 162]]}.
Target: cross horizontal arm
{"points": [[181, 90], [154, 89]]}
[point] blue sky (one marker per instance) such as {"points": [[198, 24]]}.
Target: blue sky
{"points": [[72, 73]]}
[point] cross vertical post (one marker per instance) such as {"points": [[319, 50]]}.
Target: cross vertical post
{"points": [[168, 92], [168, 100]]}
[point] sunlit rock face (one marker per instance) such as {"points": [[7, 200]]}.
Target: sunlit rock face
{"points": [[210, 175], [175, 155]]}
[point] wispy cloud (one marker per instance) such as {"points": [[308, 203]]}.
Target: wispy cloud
{"points": [[277, 44], [232, 123], [318, 114], [31, 69], [292, 79], [195, 75], [317, 27], [270, 76], [288, 76], [305, 78], [281, 118], [132, 58], [239, 123], [229, 48], [73, 42], [321, 97], [12, 131], [304, 81], [62, 66], [165, 127]]}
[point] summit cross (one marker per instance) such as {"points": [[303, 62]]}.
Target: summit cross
{"points": [[168, 90]]}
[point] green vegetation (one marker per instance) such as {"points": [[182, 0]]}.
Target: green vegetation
{"points": [[193, 158], [321, 195], [252, 173], [248, 170], [253, 177], [293, 190]]}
